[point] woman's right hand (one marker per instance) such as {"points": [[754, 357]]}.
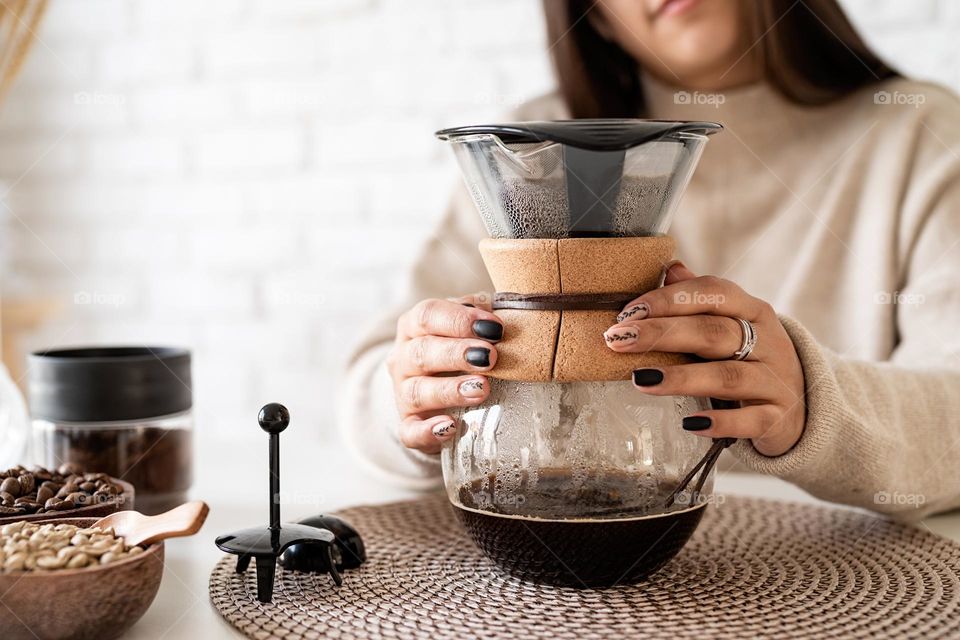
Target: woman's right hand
{"points": [[442, 346]]}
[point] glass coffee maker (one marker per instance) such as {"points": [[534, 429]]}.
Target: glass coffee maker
{"points": [[567, 474]]}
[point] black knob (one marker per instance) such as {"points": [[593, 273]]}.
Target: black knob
{"points": [[274, 417]]}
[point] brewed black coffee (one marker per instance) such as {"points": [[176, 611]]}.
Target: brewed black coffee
{"points": [[619, 536]]}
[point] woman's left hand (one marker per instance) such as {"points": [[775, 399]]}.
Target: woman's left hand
{"points": [[698, 315]]}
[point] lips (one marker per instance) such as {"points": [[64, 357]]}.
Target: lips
{"points": [[674, 7]]}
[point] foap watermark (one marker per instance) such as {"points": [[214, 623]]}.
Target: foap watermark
{"points": [[899, 98], [97, 298], [699, 298], [511, 100], [299, 498], [292, 298], [898, 297], [99, 99], [481, 299], [485, 499], [895, 498], [699, 98], [686, 498], [305, 99]]}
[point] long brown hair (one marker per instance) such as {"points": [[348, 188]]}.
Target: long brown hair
{"points": [[808, 51], [18, 24]]}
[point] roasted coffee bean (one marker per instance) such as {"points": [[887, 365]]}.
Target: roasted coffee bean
{"points": [[41, 474], [27, 503], [40, 490], [44, 494], [27, 484], [11, 486], [67, 489], [68, 468], [79, 498]]}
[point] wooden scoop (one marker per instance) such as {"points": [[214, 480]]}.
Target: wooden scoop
{"points": [[138, 529]]}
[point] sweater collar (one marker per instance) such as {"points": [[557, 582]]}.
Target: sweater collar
{"points": [[754, 115]]}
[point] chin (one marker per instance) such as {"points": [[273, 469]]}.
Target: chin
{"points": [[695, 53]]}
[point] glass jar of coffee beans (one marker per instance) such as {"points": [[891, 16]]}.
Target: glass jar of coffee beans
{"points": [[124, 411]]}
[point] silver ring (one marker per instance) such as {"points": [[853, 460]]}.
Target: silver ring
{"points": [[749, 340]]}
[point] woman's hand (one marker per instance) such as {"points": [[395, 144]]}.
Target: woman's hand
{"points": [[698, 315], [435, 340]]}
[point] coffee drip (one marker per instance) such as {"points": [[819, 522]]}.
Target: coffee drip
{"points": [[567, 474], [324, 544]]}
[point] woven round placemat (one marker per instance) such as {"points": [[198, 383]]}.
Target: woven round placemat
{"points": [[754, 568]]}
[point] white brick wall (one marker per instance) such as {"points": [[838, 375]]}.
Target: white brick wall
{"points": [[249, 177]]}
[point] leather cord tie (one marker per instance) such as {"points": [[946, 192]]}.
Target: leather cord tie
{"points": [[562, 301]]}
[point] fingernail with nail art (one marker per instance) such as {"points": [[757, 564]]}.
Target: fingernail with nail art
{"points": [[621, 337], [637, 311], [444, 430], [471, 388]]}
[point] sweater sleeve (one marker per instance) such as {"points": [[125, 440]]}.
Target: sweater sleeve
{"points": [[878, 435], [885, 435], [448, 265]]}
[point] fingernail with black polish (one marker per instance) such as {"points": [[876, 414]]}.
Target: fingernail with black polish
{"points": [[477, 357], [647, 377], [488, 329], [696, 423]]}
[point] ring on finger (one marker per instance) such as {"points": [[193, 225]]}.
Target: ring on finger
{"points": [[749, 340]]}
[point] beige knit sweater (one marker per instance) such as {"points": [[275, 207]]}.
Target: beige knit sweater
{"points": [[846, 218]]}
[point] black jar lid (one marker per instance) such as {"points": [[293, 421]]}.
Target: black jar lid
{"points": [[101, 384]]}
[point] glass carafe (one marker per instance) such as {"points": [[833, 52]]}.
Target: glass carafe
{"points": [[567, 473]]}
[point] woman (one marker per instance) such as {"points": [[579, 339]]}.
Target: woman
{"points": [[826, 214]]}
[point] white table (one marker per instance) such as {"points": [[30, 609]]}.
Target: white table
{"points": [[316, 479]]}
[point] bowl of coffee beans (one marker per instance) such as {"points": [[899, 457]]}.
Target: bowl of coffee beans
{"points": [[40, 494], [68, 579]]}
